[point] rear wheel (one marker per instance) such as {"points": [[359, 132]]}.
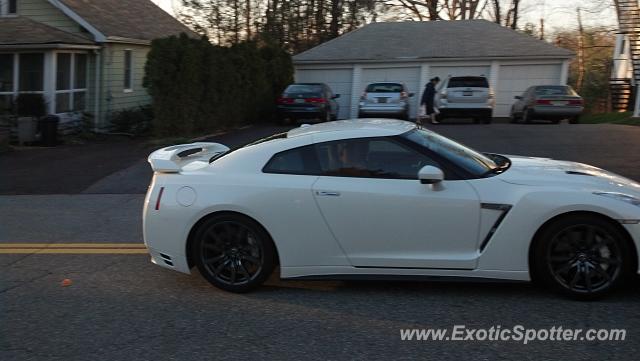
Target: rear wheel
{"points": [[527, 116], [512, 117], [583, 256], [327, 116], [233, 252]]}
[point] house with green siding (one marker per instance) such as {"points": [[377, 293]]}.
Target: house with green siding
{"points": [[83, 56]]}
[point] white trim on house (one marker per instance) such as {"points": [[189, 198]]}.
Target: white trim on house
{"points": [[97, 35], [430, 60], [130, 66], [118, 39], [48, 46], [4, 10], [72, 91]]}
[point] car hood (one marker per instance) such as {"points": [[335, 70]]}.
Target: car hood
{"points": [[550, 172]]}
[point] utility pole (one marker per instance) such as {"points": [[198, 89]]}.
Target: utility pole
{"points": [[541, 28], [580, 53]]}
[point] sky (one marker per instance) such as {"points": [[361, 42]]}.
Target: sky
{"points": [[557, 13]]}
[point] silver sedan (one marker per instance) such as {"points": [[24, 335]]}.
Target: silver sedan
{"points": [[548, 102]]}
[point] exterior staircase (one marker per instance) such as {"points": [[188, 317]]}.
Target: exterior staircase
{"points": [[622, 93]]}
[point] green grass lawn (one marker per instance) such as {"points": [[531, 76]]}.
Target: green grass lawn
{"points": [[612, 118]]}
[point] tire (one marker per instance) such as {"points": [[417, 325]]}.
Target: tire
{"points": [[233, 252], [512, 117], [555, 122], [284, 120], [583, 256], [527, 116], [487, 120], [327, 116], [575, 120]]}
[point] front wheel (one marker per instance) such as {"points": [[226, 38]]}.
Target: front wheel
{"points": [[582, 256], [233, 252]]}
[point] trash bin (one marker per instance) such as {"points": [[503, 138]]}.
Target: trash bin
{"points": [[49, 130], [27, 127]]}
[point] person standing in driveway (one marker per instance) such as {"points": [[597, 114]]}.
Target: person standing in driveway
{"points": [[428, 98]]}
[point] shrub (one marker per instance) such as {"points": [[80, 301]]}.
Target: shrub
{"points": [[136, 121], [198, 87]]}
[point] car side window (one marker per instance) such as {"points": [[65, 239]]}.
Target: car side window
{"points": [[371, 158], [300, 161]]}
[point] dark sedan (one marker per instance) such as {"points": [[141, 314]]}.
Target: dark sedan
{"points": [[308, 101]]}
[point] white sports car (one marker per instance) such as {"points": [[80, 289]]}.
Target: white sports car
{"points": [[383, 198]]}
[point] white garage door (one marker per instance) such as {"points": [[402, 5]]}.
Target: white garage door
{"points": [[446, 71], [339, 80], [409, 76], [515, 79]]}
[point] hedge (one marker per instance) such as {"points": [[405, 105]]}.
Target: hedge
{"points": [[197, 87]]}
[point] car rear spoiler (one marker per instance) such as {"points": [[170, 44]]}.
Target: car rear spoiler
{"points": [[172, 159]]}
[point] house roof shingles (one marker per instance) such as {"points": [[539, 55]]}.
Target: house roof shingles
{"points": [[132, 19], [430, 40], [24, 31]]}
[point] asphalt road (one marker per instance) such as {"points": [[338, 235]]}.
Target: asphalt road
{"points": [[121, 307]]}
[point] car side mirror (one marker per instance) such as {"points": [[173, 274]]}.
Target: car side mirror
{"points": [[336, 96], [518, 97], [430, 175]]}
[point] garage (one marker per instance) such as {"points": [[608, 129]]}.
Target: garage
{"points": [[414, 52]]}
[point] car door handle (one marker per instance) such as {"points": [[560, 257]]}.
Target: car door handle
{"points": [[328, 194]]}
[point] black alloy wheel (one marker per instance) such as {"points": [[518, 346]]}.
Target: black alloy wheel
{"points": [[584, 256], [234, 253]]}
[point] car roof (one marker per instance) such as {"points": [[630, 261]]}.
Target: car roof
{"points": [[362, 127]]}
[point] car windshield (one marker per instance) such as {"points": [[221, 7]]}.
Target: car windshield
{"points": [[313, 90], [468, 82], [475, 163], [384, 88], [554, 90]]}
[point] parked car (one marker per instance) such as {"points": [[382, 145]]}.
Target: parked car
{"points": [[385, 99], [308, 101], [466, 97], [548, 102], [379, 198]]}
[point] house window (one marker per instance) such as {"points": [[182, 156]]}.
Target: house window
{"points": [[6, 81], [8, 7], [31, 76], [71, 82], [128, 71]]}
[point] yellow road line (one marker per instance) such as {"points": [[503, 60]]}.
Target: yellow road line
{"points": [[73, 248], [72, 251], [71, 245]]}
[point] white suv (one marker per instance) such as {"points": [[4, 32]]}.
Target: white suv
{"points": [[466, 97]]}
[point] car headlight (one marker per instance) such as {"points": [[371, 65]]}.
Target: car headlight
{"points": [[621, 197]]}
